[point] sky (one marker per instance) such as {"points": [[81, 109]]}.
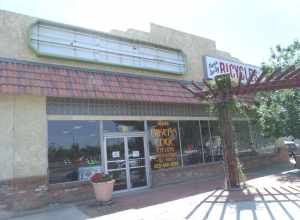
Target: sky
{"points": [[247, 29]]}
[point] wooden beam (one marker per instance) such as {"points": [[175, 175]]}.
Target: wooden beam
{"points": [[285, 72], [292, 74], [273, 74], [188, 88], [269, 86], [200, 94], [260, 77], [196, 85]]}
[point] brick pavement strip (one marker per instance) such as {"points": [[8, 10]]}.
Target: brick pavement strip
{"points": [[274, 195], [266, 197]]}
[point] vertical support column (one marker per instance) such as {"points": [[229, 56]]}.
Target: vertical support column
{"points": [[230, 157], [201, 139], [210, 142], [147, 154], [129, 186], [102, 147], [224, 105], [180, 146]]}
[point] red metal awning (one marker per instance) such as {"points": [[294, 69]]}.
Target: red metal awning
{"points": [[22, 77]]}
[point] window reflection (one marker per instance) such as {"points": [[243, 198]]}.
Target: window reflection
{"points": [[242, 136], [216, 146], [73, 150], [123, 126], [205, 132]]}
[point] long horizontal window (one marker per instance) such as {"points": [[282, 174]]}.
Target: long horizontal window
{"points": [[74, 146], [66, 42]]}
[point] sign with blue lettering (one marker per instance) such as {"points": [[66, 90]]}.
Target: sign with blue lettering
{"points": [[215, 66]]}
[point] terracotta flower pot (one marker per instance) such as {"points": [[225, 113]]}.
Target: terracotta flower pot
{"points": [[103, 190]]}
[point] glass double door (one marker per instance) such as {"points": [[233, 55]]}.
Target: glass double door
{"points": [[126, 161]]}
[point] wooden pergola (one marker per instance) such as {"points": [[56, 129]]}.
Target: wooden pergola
{"points": [[223, 93]]}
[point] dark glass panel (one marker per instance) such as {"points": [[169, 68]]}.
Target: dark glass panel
{"points": [[136, 155], [190, 142], [138, 177], [120, 179], [206, 141], [216, 146], [136, 151], [115, 148], [242, 136]]}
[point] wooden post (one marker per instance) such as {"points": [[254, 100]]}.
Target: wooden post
{"points": [[224, 108]]}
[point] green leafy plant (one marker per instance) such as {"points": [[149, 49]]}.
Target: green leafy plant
{"points": [[278, 113], [242, 175]]}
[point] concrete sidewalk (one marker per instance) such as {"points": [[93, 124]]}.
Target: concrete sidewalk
{"points": [[272, 194]]}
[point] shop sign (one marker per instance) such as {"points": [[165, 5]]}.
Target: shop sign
{"points": [[215, 67], [135, 153], [164, 137], [115, 154]]}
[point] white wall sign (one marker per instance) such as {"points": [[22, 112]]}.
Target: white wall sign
{"points": [[115, 154], [215, 66], [50, 39], [135, 153]]}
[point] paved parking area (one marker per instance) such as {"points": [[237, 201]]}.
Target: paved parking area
{"points": [[271, 194]]}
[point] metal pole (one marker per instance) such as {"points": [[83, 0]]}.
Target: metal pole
{"points": [[180, 143], [201, 140], [210, 142]]}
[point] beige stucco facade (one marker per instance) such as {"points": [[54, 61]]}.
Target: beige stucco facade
{"points": [[23, 137], [23, 127], [14, 32]]}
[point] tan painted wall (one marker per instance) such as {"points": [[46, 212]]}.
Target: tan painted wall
{"points": [[13, 32], [23, 136]]}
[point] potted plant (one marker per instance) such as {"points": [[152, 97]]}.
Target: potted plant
{"points": [[103, 185]]}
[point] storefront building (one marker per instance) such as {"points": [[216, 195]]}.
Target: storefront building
{"points": [[75, 101]]}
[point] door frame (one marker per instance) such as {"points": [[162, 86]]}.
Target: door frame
{"points": [[125, 136]]}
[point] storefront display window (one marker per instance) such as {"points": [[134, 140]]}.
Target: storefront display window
{"points": [[164, 144], [206, 141], [73, 150], [74, 147], [190, 142], [242, 135], [123, 126], [216, 146]]}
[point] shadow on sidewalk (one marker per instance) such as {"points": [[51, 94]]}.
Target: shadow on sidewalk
{"points": [[150, 197], [289, 176], [252, 200], [249, 200]]}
